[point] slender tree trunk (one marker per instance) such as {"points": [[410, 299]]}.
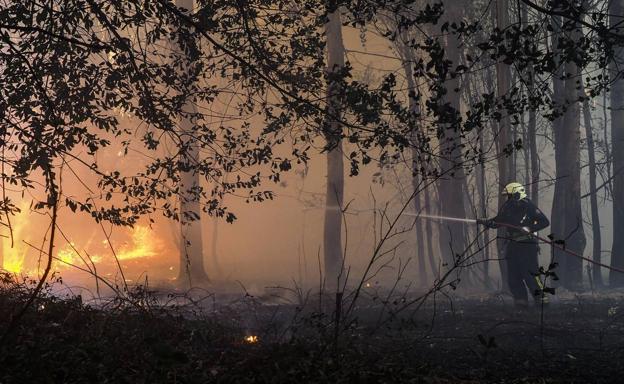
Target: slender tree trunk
{"points": [[483, 212], [597, 240], [429, 232], [533, 153], [414, 108], [420, 239], [616, 10], [557, 215], [192, 271], [574, 233], [214, 254], [605, 138], [567, 216], [450, 186], [532, 128], [506, 170], [335, 172], [526, 155], [532, 142], [499, 246], [429, 192], [482, 209]]}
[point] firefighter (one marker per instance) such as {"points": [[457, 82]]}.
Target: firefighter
{"points": [[522, 247]]}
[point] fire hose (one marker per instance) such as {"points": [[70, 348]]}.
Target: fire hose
{"points": [[552, 243]]}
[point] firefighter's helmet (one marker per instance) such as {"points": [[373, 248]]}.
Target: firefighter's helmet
{"points": [[515, 190]]}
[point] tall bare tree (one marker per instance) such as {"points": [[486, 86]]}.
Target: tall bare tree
{"points": [[531, 133], [567, 216], [503, 130], [616, 12], [481, 186], [192, 271], [451, 186], [406, 53], [332, 237], [593, 192]]}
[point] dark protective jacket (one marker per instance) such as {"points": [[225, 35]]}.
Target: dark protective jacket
{"points": [[520, 213]]}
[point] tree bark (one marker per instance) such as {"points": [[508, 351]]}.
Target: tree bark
{"points": [[332, 244], [506, 170], [481, 181], [556, 226], [192, 271], [429, 232], [414, 108], [534, 162], [214, 254], [616, 12], [567, 216], [450, 186], [605, 137], [596, 240], [483, 212]]}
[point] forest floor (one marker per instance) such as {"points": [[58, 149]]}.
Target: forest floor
{"points": [[577, 338]]}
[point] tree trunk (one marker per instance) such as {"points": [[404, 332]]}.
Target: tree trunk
{"points": [[335, 172], [429, 233], [414, 108], [574, 232], [567, 216], [556, 225], [506, 171], [616, 10], [533, 153], [450, 186], [532, 128], [597, 240], [192, 271], [483, 212], [481, 181], [605, 138], [214, 254]]}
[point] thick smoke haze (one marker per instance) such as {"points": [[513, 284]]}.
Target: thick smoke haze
{"points": [[274, 242]]}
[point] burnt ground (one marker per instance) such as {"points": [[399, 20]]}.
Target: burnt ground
{"points": [[578, 338]]}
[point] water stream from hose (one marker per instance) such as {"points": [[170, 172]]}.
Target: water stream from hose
{"points": [[412, 214], [436, 217], [549, 241]]}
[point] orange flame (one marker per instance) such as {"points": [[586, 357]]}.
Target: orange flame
{"points": [[251, 339], [14, 254], [143, 244]]}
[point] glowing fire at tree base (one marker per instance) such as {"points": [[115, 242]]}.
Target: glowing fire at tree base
{"points": [[20, 258]]}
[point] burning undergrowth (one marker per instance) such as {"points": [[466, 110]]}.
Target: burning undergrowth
{"points": [[126, 254]]}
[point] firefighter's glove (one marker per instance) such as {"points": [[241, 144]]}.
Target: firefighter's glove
{"points": [[527, 230], [488, 223]]}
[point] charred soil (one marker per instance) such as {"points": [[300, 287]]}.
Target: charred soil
{"points": [[62, 340]]}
